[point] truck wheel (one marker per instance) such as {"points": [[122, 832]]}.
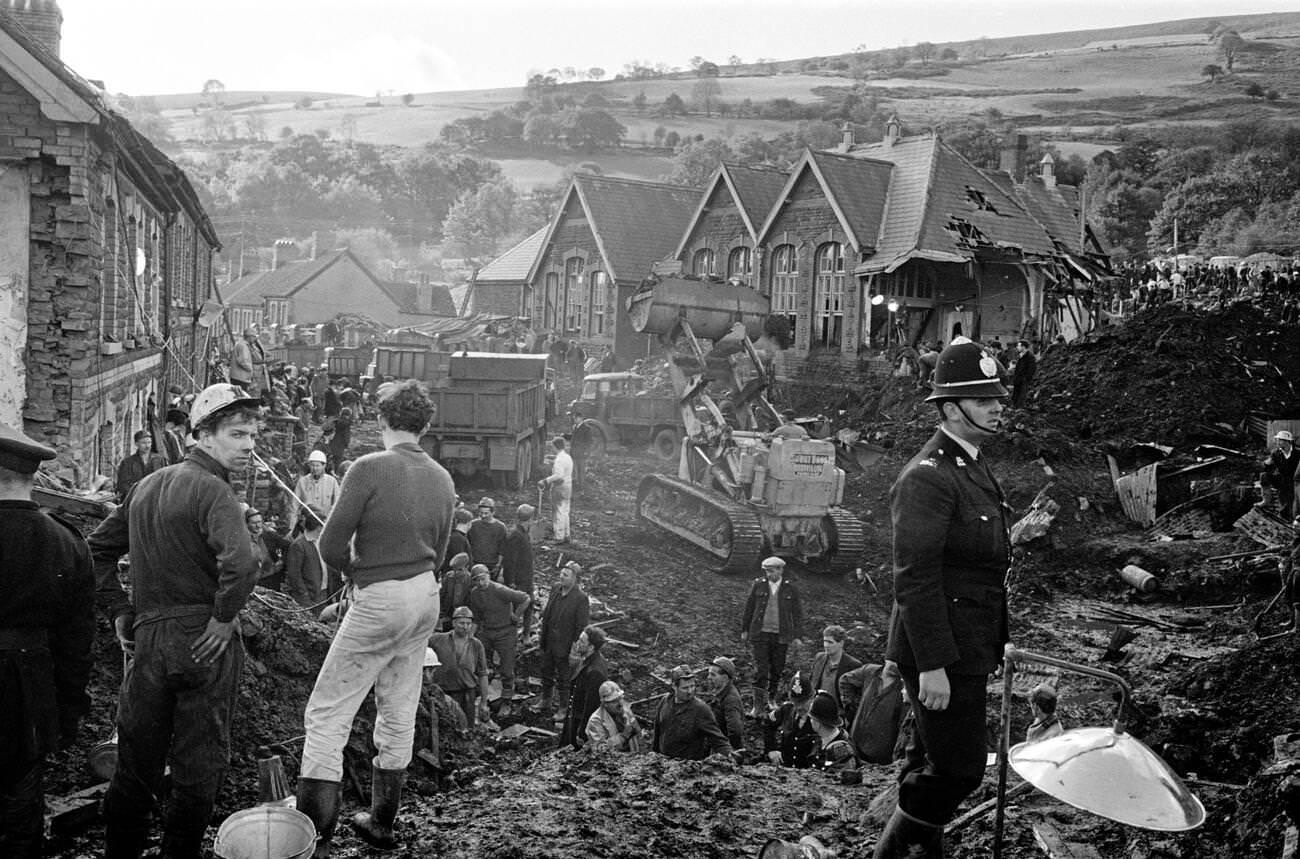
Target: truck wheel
{"points": [[589, 442], [666, 443]]}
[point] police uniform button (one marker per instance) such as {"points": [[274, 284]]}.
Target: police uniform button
{"points": [[985, 518]]}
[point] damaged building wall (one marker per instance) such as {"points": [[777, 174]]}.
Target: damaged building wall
{"points": [[14, 214]]}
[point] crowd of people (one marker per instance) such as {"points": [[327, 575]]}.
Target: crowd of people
{"points": [[1141, 287], [426, 580]]}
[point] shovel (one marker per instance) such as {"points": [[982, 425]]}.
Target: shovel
{"points": [[537, 527]]}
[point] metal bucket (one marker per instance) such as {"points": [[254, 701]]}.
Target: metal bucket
{"points": [[711, 308], [266, 832], [102, 758]]}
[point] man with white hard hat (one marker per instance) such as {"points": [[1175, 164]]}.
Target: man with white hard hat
{"points": [[314, 489], [192, 569], [1279, 472]]}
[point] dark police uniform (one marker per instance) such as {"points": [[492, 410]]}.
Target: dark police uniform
{"points": [[47, 627], [951, 554]]}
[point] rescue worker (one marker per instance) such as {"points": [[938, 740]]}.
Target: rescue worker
{"points": [[1279, 474], [517, 561], [141, 462], [499, 611], [192, 569], [613, 726], [561, 484], [314, 489], [684, 727], [248, 363], [47, 627], [724, 701], [566, 615], [949, 621], [462, 670], [487, 536], [389, 529], [770, 624], [589, 675]]}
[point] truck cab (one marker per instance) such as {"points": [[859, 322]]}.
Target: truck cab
{"points": [[618, 407]]}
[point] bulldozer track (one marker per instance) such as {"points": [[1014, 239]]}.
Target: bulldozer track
{"points": [[850, 541], [744, 548]]}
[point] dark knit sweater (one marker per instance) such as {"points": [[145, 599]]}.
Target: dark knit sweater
{"points": [[398, 503]]}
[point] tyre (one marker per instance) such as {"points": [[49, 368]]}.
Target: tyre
{"points": [[667, 444]]}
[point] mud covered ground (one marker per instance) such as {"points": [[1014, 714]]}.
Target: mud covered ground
{"points": [[1208, 695]]}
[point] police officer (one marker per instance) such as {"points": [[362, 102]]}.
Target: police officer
{"points": [[47, 626], [949, 621]]}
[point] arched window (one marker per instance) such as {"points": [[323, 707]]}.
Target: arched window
{"points": [[551, 310], [574, 295], [599, 286], [828, 296], [740, 263], [785, 285], [704, 262]]}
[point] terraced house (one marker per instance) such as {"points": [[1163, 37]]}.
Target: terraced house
{"points": [[105, 257]]}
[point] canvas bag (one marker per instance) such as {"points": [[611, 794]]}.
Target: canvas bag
{"points": [[880, 712]]}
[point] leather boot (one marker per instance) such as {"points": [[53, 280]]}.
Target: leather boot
{"points": [[905, 837], [376, 825], [545, 702], [760, 704], [318, 798]]}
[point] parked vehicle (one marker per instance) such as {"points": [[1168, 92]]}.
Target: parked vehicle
{"points": [[490, 408], [617, 408]]}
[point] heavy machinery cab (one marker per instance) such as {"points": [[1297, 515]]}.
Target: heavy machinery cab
{"points": [[790, 477]]}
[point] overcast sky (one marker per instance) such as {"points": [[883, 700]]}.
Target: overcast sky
{"points": [[364, 46]]}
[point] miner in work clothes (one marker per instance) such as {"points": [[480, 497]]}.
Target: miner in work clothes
{"points": [[949, 622], [47, 625], [192, 568]]}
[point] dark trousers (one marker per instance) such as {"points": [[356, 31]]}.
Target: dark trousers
{"points": [[22, 811], [555, 674], [948, 751], [174, 711], [503, 641], [769, 661]]}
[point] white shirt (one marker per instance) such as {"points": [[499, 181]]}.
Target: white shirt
{"points": [[323, 493], [562, 468], [971, 450]]}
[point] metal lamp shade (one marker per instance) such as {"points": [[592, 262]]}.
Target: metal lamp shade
{"points": [[1111, 774]]}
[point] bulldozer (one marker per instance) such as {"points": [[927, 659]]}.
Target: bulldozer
{"points": [[744, 489]]}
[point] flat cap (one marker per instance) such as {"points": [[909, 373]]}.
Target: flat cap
{"points": [[726, 666], [20, 453]]}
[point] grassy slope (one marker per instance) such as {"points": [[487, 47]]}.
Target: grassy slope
{"points": [[1057, 84]]}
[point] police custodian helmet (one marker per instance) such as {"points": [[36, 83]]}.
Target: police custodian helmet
{"points": [[965, 371]]}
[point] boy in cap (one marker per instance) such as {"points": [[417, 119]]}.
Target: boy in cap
{"points": [[47, 627], [192, 569], [724, 701]]}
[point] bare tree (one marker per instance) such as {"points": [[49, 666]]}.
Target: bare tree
{"points": [[213, 91], [1230, 45], [924, 52]]}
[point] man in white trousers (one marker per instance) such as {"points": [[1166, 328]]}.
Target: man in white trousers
{"points": [[561, 483]]}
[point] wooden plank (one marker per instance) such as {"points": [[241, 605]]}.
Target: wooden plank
{"points": [[1264, 528], [65, 815], [1051, 842], [1137, 494]]}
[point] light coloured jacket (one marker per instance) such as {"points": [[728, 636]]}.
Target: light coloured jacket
{"points": [[603, 733]]}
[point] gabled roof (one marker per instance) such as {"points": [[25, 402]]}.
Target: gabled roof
{"points": [[289, 278], [406, 296], [754, 190], [514, 265], [1056, 208], [942, 207], [856, 188], [636, 223]]}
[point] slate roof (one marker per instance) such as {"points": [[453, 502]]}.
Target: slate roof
{"points": [[756, 190], [1055, 207], [636, 223], [514, 265], [859, 188], [942, 207], [253, 289], [405, 296]]}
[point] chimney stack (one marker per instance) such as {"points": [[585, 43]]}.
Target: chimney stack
{"points": [[893, 128], [282, 252], [1013, 157], [1047, 169], [846, 142], [41, 18]]}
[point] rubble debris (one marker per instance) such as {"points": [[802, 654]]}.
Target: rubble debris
{"points": [[1139, 578], [1037, 520]]}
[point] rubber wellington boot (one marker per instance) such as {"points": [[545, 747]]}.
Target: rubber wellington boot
{"points": [[905, 837], [760, 704], [319, 800], [376, 825]]}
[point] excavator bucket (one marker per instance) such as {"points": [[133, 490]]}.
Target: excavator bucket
{"points": [[711, 308]]}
